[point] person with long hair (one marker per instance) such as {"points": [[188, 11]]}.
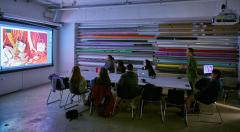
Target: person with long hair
{"points": [[148, 66], [121, 68], [109, 64], [77, 80], [103, 78], [101, 94]]}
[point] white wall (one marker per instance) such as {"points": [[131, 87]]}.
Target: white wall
{"points": [[25, 79], [66, 48], [204, 9], [185, 10], [22, 8]]}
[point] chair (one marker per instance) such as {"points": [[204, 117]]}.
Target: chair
{"points": [[215, 106], [209, 97], [151, 94], [102, 97], [74, 92], [121, 95], [175, 98], [58, 84]]}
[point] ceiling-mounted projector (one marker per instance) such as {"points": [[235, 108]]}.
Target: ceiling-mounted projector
{"points": [[225, 17]]}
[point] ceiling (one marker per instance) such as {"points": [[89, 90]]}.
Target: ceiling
{"points": [[67, 4]]}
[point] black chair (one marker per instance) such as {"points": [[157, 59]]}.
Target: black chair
{"points": [[60, 85], [175, 98], [215, 106], [151, 94], [74, 92], [121, 95], [203, 99]]}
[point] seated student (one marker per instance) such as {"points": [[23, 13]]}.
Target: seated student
{"points": [[121, 68], [148, 66], [109, 64], [128, 84], [78, 81], [103, 78], [208, 89], [101, 94]]}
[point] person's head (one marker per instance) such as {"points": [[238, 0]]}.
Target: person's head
{"points": [[130, 67], [76, 75], [190, 52], [120, 63], [110, 58], [147, 62], [216, 74], [104, 77], [76, 70], [103, 72]]}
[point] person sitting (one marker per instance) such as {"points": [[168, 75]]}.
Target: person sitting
{"points": [[78, 81], [208, 89], [127, 86], [121, 68], [148, 66], [109, 64], [101, 94]]}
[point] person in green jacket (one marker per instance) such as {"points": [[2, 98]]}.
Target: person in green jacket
{"points": [[128, 83], [191, 69], [128, 88]]}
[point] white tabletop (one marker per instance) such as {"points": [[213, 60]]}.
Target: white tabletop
{"points": [[160, 81]]}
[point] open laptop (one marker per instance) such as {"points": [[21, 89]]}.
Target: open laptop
{"points": [[142, 73], [207, 69]]}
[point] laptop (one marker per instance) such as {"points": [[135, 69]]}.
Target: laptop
{"points": [[207, 69], [142, 73]]}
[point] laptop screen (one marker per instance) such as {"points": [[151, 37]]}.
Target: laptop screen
{"points": [[207, 69]]}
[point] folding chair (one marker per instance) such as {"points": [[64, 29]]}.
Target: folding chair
{"points": [[58, 84], [121, 95], [74, 92], [176, 99], [151, 94], [211, 104]]}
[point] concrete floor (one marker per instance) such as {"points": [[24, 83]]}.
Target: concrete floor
{"points": [[26, 111]]}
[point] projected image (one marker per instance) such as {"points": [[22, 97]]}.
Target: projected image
{"points": [[22, 47]]}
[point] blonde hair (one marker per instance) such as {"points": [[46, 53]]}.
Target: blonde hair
{"points": [[76, 76]]}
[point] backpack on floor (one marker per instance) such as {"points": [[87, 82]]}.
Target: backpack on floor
{"points": [[72, 114]]}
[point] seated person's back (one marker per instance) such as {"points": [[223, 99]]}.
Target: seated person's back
{"points": [[77, 81], [101, 94], [128, 84], [210, 88]]}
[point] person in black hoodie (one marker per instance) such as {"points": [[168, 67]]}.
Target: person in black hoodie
{"points": [[148, 66]]}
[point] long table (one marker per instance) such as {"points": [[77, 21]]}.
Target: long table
{"points": [[164, 81]]}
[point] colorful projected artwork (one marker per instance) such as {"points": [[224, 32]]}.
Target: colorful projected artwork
{"points": [[22, 47]]}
